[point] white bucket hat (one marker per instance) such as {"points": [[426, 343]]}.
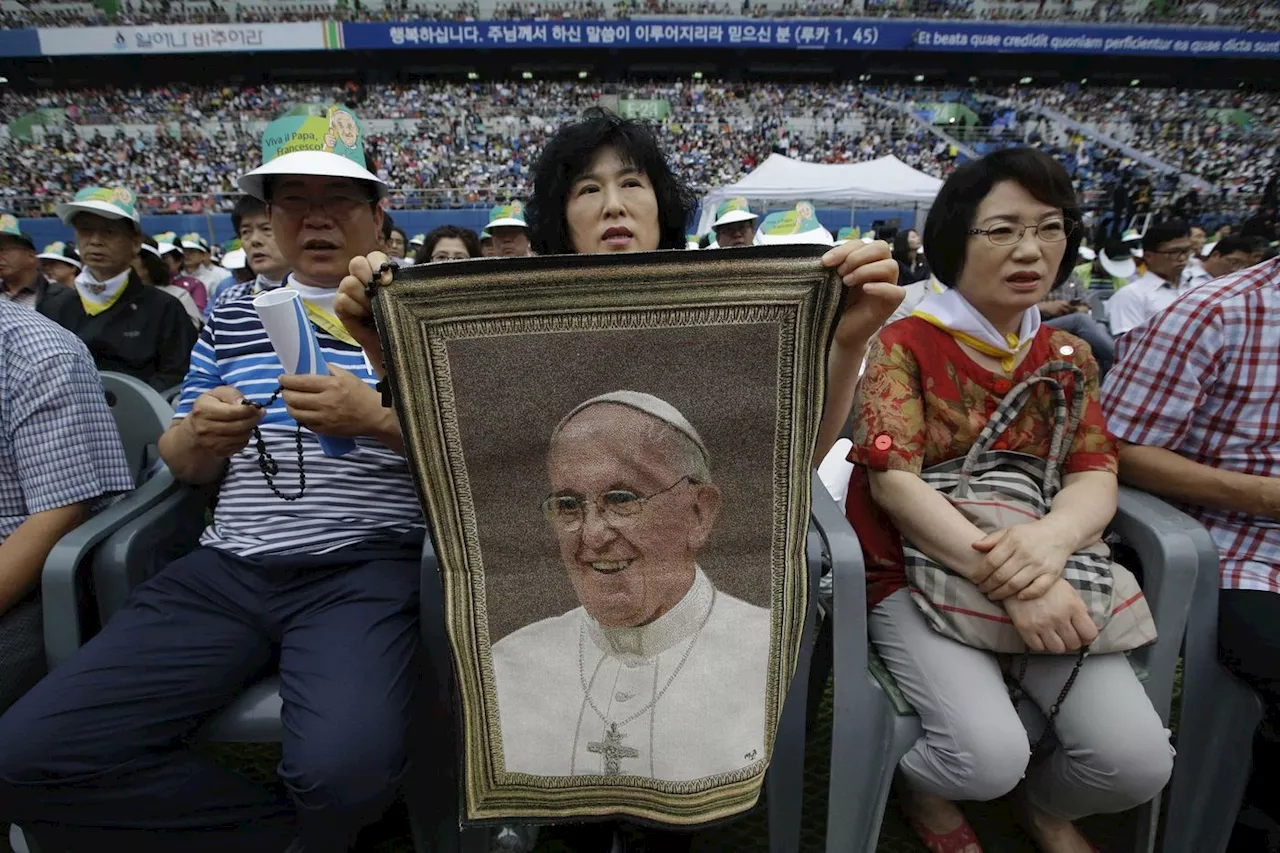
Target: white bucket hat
{"points": [[329, 145], [509, 215], [733, 210], [108, 202], [193, 241], [236, 259], [59, 251], [1121, 266]]}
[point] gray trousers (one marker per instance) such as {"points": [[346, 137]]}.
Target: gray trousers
{"points": [[1112, 752], [22, 661]]}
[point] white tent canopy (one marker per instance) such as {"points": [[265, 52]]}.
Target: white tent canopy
{"points": [[779, 178]]}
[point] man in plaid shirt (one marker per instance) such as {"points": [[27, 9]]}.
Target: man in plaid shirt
{"points": [[1195, 402], [59, 454]]}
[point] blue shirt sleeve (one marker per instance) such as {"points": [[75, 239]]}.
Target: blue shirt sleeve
{"points": [[203, 375]]}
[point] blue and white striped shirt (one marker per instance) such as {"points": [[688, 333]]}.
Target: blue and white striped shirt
{"points": [[58, 441], [363, 495]]}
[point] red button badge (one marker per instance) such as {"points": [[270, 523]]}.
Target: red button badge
{"points": [[883, 442]]}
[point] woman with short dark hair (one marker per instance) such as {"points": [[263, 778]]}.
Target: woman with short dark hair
{"points": [[603, 185], [638, 161], [449, 243], [1002, 231]]}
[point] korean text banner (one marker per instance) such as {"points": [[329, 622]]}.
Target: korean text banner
{"points": [[195, 38], [845, 34]]}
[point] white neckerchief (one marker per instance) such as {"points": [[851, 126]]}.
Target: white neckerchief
{"points": [[671, 628], [262, 284], [98, 296], [954, 314]]}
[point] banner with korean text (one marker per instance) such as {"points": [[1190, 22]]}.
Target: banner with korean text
{"points": [[194, 38], [822, 35]]}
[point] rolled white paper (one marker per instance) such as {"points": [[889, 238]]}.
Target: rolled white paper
{"points": [[289, 330], [834, 471]]}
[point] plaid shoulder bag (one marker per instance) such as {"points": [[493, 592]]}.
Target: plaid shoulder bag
{"points": [[996, 489]]}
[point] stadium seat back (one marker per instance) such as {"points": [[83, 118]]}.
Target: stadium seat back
{"points": [[141, 416]]}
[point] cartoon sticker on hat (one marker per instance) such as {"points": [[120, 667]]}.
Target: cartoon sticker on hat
{"points": [[120, 195], [335, 132], [8, 222], [517, 207], [342, 127], [797, 221]]}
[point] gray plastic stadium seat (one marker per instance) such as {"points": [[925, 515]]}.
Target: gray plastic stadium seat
{"points": [[442, 814], [1098, 304], [142, 415], [1219, 716], [874, 726]]}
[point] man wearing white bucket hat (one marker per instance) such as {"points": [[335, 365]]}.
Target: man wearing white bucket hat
{"points": [[735, 224], [128, 327], [198, 264], [509, 231], [311, 564]]}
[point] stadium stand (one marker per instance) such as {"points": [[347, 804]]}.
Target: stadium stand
{"points": [[452, 144]]}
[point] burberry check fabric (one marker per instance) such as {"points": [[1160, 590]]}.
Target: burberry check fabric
{"points": [[999, 489], [1203, 379]]}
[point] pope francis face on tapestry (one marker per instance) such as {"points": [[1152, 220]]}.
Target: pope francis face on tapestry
{"points": [[657, 674]]}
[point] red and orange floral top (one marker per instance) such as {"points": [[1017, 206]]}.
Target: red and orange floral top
{"points": [[923, 401]]}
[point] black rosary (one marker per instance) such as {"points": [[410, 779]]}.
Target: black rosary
{"points": [[1017, 691], [266, 464]]}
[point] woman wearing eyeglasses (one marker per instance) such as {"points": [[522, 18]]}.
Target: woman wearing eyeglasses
{"points": [[1002, 232]]}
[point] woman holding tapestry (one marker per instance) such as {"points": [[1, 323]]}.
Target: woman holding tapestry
{"points": [[603, 185], [1002, 231]]}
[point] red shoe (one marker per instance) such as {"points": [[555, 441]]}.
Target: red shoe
{"points": [[955, 841]]}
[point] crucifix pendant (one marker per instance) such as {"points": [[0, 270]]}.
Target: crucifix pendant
{"points": [[612, 750]]}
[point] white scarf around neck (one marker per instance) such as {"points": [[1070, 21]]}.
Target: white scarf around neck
{"points": [[97, 296], [954, 314]]}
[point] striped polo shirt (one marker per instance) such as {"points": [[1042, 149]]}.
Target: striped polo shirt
{"points": [[365, 494]]}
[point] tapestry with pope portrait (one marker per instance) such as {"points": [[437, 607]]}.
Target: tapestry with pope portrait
{"points": [[614, 457]]}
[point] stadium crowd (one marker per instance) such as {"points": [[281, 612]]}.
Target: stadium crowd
{"points": [[472, 143], [1239, 14], [467, 143]]}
